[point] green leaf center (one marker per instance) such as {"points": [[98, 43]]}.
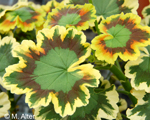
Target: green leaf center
{"points": [[120, 36], [69, 19], [52, 70], [24, 13], [106, 7]]}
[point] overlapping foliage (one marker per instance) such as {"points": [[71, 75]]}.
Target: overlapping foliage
{"points": [[45, 55]]}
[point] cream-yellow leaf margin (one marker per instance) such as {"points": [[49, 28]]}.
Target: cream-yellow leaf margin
{"points": [[139, 94], [132, 4], [142, 85], [87, 69], [5, 103], [7, 40], [112, 96]]}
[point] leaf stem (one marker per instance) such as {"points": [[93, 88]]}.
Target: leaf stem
{"points": [[108, 76], [90, 1], [102, 67], [123, 92], [124, 116], [125, 82], [18, 98], [118, 65], [1, 90], [13, 104], [96, 26], [120, 75], [133, 99]]}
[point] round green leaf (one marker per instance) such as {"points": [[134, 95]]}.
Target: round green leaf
{"points": [[106, 8], [56, 70], [51, 69], [24, 13], [75, 18], [120, 35]]}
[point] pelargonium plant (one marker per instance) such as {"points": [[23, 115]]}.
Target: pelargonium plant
{"points": [[44, 54]]}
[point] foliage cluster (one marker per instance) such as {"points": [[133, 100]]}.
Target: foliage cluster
{"points": [[45, 55]]}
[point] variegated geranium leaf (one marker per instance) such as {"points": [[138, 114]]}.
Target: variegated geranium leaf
{"points": [[4, 104], [106, 8], [24, 16], [108, 108], [51, 70], [139, 71], [6, 58], [77, 16], [101, 105], [142, 108], [122, 36]]}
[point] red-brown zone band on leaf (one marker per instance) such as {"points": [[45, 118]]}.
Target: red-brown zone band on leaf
{"points": [[68, 42], [26, 77], [84, 15], [34, 18], [122, 8], [137, 36], [24, 23], [26, 80], [7, 22]]}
